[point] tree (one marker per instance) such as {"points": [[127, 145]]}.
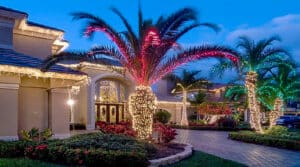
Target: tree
{"points": [[254, 57], [281, 83], [148, 55], [186, 81]]}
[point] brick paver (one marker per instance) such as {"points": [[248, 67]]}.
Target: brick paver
{"points": [[217, 143]]}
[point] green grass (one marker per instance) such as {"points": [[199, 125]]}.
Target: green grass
{"points": [[23, 162], [201, 159], [198, 159]]}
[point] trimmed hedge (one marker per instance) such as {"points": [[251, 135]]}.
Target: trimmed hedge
{"points": [[251, 137], [87, 149]]}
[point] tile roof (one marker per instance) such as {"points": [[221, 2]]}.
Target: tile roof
{"points": [[10, 57], [43, 26], [166, 97], [12, 10]]}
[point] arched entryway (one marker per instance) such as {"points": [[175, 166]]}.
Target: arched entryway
{"points": [[110, 100], [110, 104]]}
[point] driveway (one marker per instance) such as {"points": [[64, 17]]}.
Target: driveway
{"points": [[217, 143]]}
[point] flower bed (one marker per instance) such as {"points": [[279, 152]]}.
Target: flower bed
{"points": [[87, 149], [266, 139], [124, 128]]}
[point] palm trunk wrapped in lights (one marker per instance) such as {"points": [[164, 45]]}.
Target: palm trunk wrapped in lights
{"points": [[275, 114], [184, 120], [141, 108], [253, 103]]}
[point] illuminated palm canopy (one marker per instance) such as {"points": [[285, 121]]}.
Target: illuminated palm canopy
{"points": [[254, 56], [281, 81], [151, 53]]}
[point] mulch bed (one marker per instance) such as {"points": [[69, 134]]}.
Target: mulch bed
{"points": [[165, 150]]}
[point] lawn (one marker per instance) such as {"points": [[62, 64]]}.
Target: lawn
{"points": [[201, 159], [24, 162], [198, 159]]}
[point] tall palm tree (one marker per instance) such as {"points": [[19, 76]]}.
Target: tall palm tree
{"points": [[254, 56], [148, 55], [186, 81], [281, 83]]}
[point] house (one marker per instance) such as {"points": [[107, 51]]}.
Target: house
{"points": [[80, 92]]}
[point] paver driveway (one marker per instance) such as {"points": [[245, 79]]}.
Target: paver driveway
{"points": [[216, 142]]}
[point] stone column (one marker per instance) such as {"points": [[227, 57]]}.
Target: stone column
{"points": [[59, 112], [91, 116]]}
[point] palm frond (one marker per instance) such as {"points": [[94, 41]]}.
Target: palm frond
{"points": [[131, 35], [191, 54], [64, 56]]}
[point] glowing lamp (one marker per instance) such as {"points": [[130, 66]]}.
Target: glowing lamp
{"points": [[70, 102]]}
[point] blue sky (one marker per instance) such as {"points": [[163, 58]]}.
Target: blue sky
{"points": [[255, 18]]}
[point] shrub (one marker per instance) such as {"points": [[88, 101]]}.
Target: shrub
{"points": [[198, 123], [121, 128], [165, 133], [39, 151], [244, 125], [13, 149], [226, 122], [35, 135], [77, 126], [277, 131], [83, 150], [251, 137], [162, 116]]}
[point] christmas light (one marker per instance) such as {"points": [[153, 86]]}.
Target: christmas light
{"points": [[39, 74], [275, 114], [253, 103], [142, 104]]}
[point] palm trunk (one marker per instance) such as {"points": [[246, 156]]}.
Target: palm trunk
{"points": [[141, 108], [275, 114], [253, 103], [184, 120]]}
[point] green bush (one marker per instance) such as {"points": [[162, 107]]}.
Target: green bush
{"points": [[106, 142], [35, 135], [162, 116], [278, 131], [263, 139], [13, 149], [83, 150]]}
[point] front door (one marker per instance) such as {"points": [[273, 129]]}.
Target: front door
{"points": [[110, 113]]}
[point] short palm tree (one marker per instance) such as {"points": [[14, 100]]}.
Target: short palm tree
{"points": [[186, 81], [281, 83], [148, 55], [254, 56]]}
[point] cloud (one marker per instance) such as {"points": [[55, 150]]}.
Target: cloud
{"points": [[287, 27]]}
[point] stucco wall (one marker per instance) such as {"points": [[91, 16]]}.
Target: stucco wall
{"points": [[33, 103], [173, 109], [32, 46], [8, 112], [9, 85], [80, 107]]}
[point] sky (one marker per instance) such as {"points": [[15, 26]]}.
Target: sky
{"points": [[257, 19]]}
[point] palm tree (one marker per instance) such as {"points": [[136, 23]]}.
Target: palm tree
{"points": [[281, 83], [254, 57], [148, 55], [185, 82]]}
